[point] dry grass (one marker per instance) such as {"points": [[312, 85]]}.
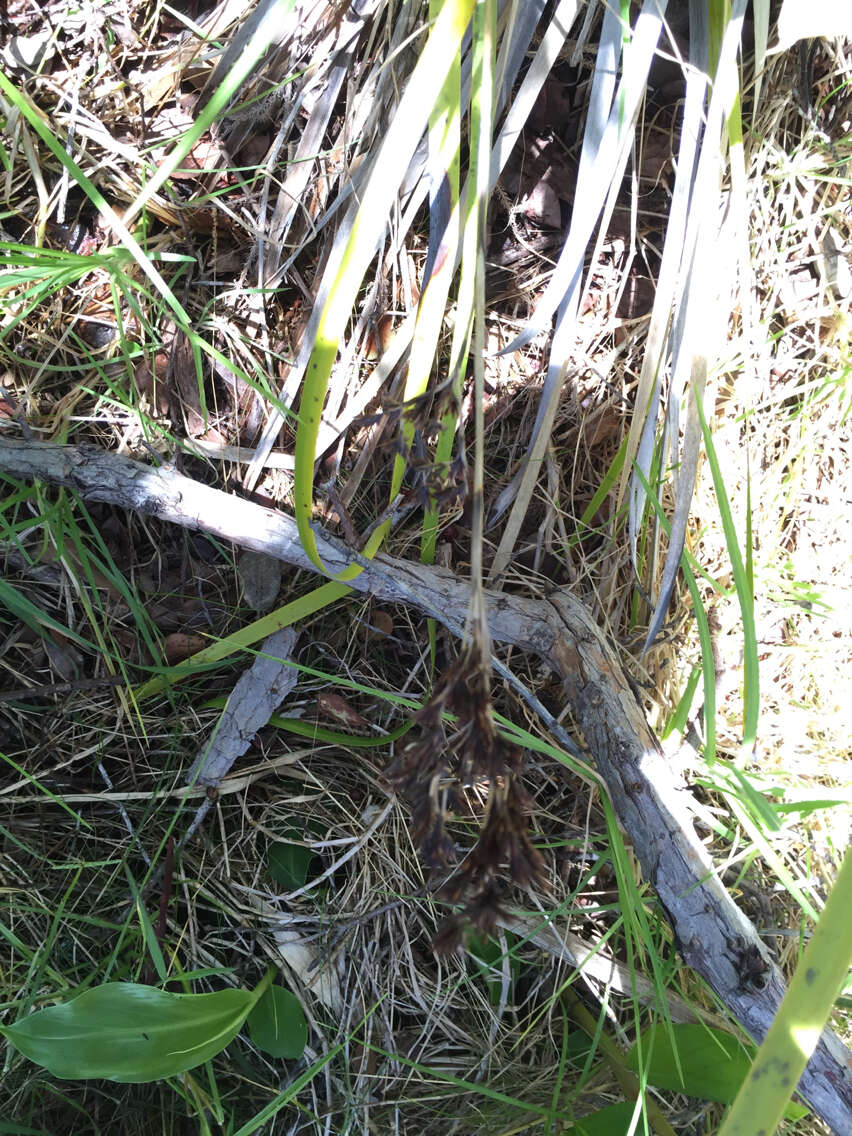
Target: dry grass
{"points": [[782, 431], [98, 784]]}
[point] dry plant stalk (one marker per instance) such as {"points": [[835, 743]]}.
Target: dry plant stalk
{"points": [[431, 771]]}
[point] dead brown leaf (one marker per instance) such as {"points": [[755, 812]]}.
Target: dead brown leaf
{"points": [[380, 625], [335, 706], [152, 385], [184, 382], [179, 646]]}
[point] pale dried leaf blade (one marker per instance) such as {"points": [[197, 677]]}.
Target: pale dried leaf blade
{"points": [[301, 170], [317, 969], [416, 186], [514, 46], [699, 330], [363, 228], [317, 974], [761, 39], [640, 443], [270, 17], [598, 965], [686, 486], [599, 140], [565, 279], [812, 19], [609, 127], [257, 695], [606, 143], [529, 90]]}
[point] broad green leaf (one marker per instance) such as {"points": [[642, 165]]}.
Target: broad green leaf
{"points": [[130, 1033], [277, 1024], [713, 1064], [611, 1121], [576, 1046], [290, 864]]}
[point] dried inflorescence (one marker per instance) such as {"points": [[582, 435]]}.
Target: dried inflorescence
{"points": [[448, 758]]}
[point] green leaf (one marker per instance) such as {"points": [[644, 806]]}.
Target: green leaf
{"points": [[130, 1033], [576, 1046], [277, 1024], [346, 271], [806, 808], [152, 943], [611, 1121], [759, 806], [679, 719], [745, 593], [57, 799], [713, 1062], [22, 608], [290, 864], [796, 1028], [487, 953]]}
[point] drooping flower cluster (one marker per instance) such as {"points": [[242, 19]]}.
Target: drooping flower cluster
{"points": [[448, 758]]}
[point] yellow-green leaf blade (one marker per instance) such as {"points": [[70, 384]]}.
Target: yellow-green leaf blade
{"points": [[407, 126], [126, 1032]]}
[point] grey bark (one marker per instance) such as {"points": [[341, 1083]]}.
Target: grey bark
{"points": [[258, 693], [650, 798]]}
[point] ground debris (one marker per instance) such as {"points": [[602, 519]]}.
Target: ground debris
{"points": [[257, 695]]}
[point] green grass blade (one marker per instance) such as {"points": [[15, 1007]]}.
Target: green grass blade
{"points": [[406, 128], [745, 594], [285, 616], [252, 53], [444, 145], [708, 665], [797, 1026], [98, 200]]}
